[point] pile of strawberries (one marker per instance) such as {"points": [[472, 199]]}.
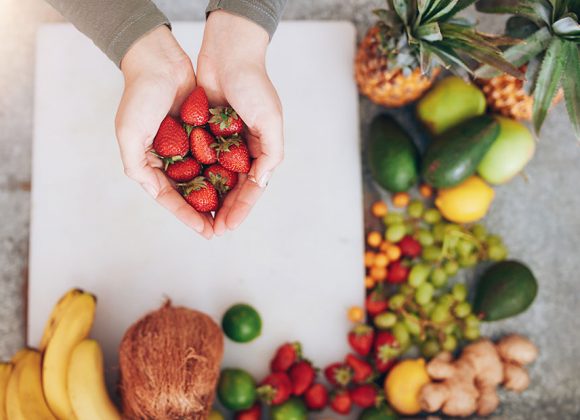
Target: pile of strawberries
{"points": [[204, 153]]}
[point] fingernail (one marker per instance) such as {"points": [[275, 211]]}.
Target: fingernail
{"points": [[151, 190], [263, 182]]}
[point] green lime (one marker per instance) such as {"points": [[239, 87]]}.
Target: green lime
{"points": [[236, 389], [242, 323], [293, 409], [378, 413]]}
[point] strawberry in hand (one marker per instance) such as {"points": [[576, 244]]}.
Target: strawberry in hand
{"points": [[361, 339], [275, 389], [221, 178], [302, 375], [286, 355], [202, 146], [170, 143], [183, 170], [224, 122], [233, 154], [201, 195], [195, 109]]}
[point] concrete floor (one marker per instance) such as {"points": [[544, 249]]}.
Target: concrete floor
{"points": [[539, 218]]}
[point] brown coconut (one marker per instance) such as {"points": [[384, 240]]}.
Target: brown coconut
{"points": [[169, 364]]}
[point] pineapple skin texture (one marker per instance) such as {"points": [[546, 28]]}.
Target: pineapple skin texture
{"points": [[505, 95], [384, 86]]}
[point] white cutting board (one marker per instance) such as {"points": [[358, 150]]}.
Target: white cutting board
{"points": [[297, 258]]}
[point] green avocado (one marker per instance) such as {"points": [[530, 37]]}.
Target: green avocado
{"points": [[450, 102], [454, 156], [378, 413], [506, 289], [392, 156]]}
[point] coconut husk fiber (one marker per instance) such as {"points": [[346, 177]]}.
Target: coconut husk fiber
{"points": [[169, 365]]}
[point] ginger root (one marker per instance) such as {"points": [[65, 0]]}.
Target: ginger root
{"points": [[469, 384]]}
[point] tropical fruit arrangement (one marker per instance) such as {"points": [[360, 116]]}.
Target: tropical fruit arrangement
{"points": [[204, 152]]}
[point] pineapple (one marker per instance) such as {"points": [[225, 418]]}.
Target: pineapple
{"points": [[401, 55], [548, 53]]}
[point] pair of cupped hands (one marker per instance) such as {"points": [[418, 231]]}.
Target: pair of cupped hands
{"points": [[159, 76]]}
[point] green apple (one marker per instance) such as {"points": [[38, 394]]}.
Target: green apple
{"points": [[509, 154], [449, 103]]}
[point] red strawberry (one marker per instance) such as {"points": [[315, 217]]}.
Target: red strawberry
{"points": [[201, 195], [195, 109], [221, 178], [376, 302], [170, 142], [233, 154], [225, 121], [340, 402], [254, 413], [184, 170], [397, 273], [365, 395], [316, 397], [361, 339], [410, 247], [202, 146], [338, 374], [275, 389], [302, 375], [386, 350], [362, 370], [286, 355]]}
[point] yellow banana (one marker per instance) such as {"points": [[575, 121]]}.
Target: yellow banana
{"points": [[56, 316], [86, 384], [25, 397], [73, 327], [5, 371]]}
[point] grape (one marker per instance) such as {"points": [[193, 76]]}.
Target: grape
{"points": [[471, 333], [451, 267], [494, 240], [439, 232], [428, 308], [430, 348], [447, 300], [462, 310], [424, 294], [451, 329], [392, 217], [450, 343], [438, 277], [440, 314], [413, 325], [472, 321], [419, 274], [431, 253], [497, 252], [459, 292], [407, 289], [425, 237], [415, 209], [479, 231], [385, 320], [432, 216], [464, 248], [409, 229], [452, 241], [401, 334], [397, 301], [468, 261], [395, 232]]}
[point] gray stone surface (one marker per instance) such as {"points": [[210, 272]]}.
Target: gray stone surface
{"points": [[539, 218]]}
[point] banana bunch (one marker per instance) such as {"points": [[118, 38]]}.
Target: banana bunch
{"points": [[64, 379]]}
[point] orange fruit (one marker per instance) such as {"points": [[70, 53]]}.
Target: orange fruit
{"points": [[426, 191], [393, 252], [369, 259], [356, 314], [381, 260], [378, 273], [401, 200], [369, 282], [379, 209], [374, 239]]}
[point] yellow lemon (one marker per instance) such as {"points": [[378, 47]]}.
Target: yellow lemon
{"points": [[403, 385], [466, 202]]}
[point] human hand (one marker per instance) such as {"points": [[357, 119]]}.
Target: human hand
{"points": [[231, 67], [158, 77]]}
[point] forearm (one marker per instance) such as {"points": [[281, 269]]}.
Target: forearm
{"points": [[266, 13], [113, 25]]}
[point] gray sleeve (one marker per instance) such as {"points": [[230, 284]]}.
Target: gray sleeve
{"points": [[266, 13], [113, 25]]}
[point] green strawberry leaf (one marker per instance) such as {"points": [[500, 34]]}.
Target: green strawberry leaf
{"points": [[520, 54], [548, 81], [571, 86], [429, 32]]}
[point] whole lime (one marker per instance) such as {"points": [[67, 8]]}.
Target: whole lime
{"points": [[236, 389], [242, 323], [378, 413], [293, 409]]}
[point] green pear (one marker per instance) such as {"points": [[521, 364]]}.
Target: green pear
{"points": [[509, 154], [449, 103]]}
